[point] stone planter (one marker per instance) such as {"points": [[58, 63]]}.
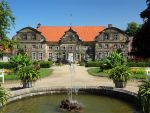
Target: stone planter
{"points": [[27, 84], [120, 84]]}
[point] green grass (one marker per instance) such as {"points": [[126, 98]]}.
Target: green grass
{"points": [[138, 74], [96, 72], [43, 71]]}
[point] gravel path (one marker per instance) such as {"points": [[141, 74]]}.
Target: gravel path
{"points": [[61, 77]]}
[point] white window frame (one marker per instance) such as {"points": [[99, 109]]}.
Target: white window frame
{"points": [[50, 55], [40, 55], [33, 55]]}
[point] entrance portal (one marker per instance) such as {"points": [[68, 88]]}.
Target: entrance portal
{"points": [[70, 57]]}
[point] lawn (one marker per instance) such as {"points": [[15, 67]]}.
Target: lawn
{"points": [[43, 71], [137, 73], [97, 72]]}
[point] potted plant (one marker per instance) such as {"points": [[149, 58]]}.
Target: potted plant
{"points": [[27, 75], [120, 75], [26, 71]]}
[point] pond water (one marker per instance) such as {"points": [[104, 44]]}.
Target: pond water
{"points": [[50, 104]]}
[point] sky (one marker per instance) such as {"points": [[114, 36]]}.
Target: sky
{"points": [[75, 13]]}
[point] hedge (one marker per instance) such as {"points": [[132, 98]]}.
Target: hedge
{"points": [[93, 64], [46, 64], [5, 65], [129, 63], [138, 64]]}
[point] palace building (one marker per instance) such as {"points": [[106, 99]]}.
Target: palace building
{"points": [[75, 43]]}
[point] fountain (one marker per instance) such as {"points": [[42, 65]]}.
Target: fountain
{"points": [[70, 104]]}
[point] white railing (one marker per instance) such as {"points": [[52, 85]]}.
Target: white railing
{"points": [[2, 75], [147, 73]]}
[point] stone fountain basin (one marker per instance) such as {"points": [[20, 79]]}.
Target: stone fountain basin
{"points": [[107, 91]]}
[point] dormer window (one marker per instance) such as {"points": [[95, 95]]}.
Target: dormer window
{"points": [[106, 36], [33, 37], [24, 37], [115, 36]]}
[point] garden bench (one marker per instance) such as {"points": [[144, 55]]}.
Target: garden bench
{"points": [[2, 75]]}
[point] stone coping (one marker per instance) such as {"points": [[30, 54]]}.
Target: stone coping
{"points": [[101, 90]]}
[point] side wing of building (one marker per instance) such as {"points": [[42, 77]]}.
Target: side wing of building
{"points": [[111, 39], [32, 42]]}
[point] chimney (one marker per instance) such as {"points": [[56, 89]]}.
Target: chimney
{"points": [[39, 25], [109, 25]]}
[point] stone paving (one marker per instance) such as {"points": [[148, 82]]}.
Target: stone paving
{"points": [[61, 78]]}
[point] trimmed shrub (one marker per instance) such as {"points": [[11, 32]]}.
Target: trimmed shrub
{"points": [[93, 64], [46, 64], [5, 65], [138, 63]]}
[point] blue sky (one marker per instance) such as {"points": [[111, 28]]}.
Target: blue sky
{"points": [[84, 12]]}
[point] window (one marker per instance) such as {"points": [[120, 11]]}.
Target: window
{"points": [[100, 55], [33, 37], [57, 55], [33, 46], [106, 36], [33, 56], [100, 46], [50, 47], [115, 36], [56, 48], [40, 56], [50, 55], [77, 47], [40, 46], [122, 46], [70, 48], [115, 46], [105, 46], [64, 48], [24, 37]]}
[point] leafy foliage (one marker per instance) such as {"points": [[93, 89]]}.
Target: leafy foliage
{"points": [[20, 59], [140, 45], [24, 68], [3, 95], [144, 96], [120, 74], [6, 18], [115, 59], [132, 28], [27, 73]]}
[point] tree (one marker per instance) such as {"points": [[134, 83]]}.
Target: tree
{"points": [[141, 41], [132, 28], [6, 18]]}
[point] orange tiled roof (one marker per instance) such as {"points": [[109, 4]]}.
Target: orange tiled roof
{"points": [[85, 33]]}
